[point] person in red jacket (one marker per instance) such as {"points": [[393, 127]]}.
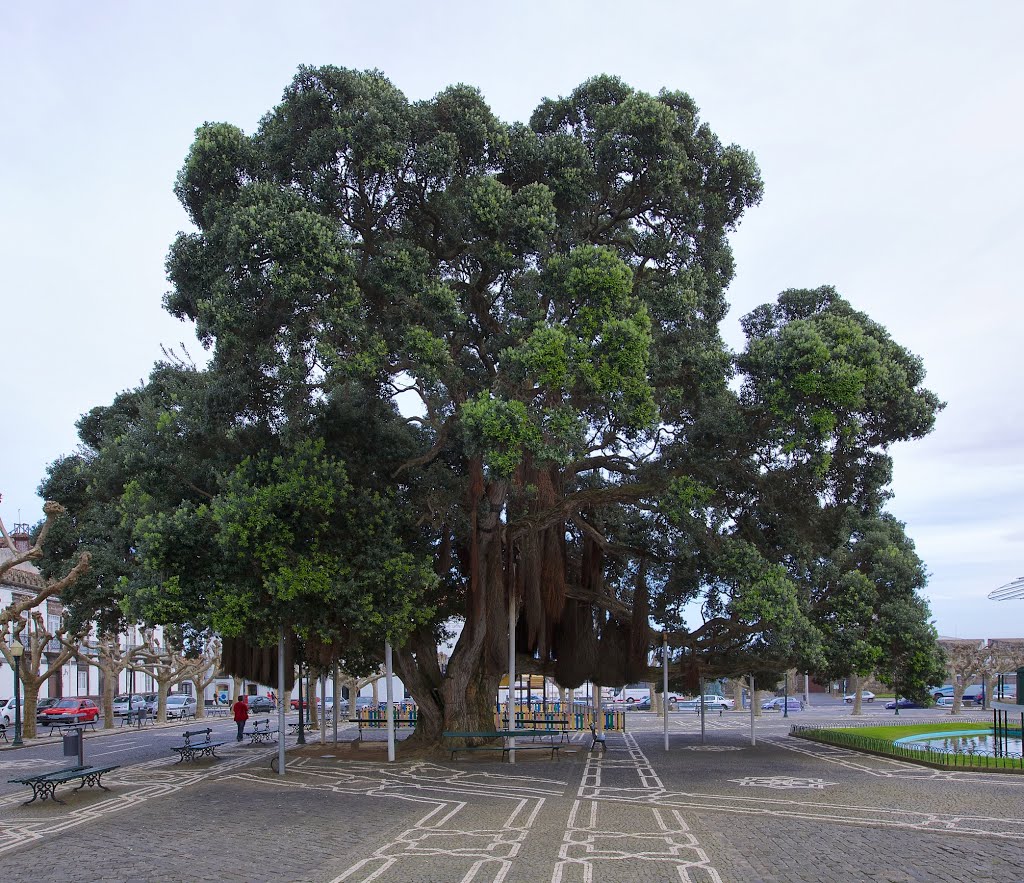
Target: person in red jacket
{"points": [[240, 710]]}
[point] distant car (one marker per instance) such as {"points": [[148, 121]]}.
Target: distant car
{"points": [[180, 705], [975, 693], [712, 702], [42, 705], [938, 692], [793, 703], [152, 702], [121, 704], [71, 710], [904, 703], [865, 696], [258, 704], [295, 703]]}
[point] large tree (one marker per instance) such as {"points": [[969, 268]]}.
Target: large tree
{"points": [[495, 348]]}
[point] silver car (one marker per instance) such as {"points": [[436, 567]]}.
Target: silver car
{"points": [[181, 705], [121, 705]]}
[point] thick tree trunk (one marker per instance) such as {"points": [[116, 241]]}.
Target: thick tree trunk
{"points": [[30, 699], [110, 676], [163, 686]]}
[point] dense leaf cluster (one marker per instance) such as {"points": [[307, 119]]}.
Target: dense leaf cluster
{"points": [[457, 362]]}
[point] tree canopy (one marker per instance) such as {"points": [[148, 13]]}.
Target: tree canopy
{"points": [[455, 361]]}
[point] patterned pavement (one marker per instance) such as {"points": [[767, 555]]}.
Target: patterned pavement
{"points": [[712, 812]]}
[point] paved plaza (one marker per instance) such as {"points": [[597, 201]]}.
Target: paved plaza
{"points": [[721, 810]]}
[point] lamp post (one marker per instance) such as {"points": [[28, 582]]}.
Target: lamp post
{"points": [[17, 648]]}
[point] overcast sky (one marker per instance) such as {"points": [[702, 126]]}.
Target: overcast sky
{"points": [[889, 137]]}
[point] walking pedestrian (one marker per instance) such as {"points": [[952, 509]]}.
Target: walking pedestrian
{"points": [[241, 713]]}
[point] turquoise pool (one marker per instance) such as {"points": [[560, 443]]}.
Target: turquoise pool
{"points": [[965, 742]]}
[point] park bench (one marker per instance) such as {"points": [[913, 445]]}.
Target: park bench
{"points": [[598, 738], [504, 748], [69, 726], [3, 732], [306, 726], [544, 728], [138, 718], [261, 734], [44, 785], [193, 748], [381, 723]]}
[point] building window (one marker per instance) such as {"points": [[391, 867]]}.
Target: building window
{"points": [[83, 682]]}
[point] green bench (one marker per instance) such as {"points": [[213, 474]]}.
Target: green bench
{"points": [[193, 749], [44, 785], [504, 748]]}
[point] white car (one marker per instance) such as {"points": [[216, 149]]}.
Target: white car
{"points": [[138, 703], [181, 705], [865, 695], [712, 702], [7, 711]]}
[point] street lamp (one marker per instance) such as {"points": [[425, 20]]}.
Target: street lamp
{"points": [[17, 648]]}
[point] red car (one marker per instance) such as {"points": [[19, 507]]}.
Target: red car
{"points": [[295, 703], [71, 710]]}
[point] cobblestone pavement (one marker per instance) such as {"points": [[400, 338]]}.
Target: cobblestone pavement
{"points": [[718, 810]]}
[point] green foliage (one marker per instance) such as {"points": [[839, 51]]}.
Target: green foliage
{"points": [[543, 299]]}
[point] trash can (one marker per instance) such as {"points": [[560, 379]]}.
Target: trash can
{"points": [[72, 743]]}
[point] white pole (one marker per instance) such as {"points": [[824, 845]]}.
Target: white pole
{"points": [[700, 684], [753, 738], [511, 674], [807, 691], [664, 683], [323, 707], [281, 700], [390, 702], [336, 702]]}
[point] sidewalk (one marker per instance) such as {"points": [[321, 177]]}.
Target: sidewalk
{"points": [[785, 810]]}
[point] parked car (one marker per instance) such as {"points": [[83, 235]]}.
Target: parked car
{"points": [[42, 705], [71, 710], [151, 701], [905, 703], [180, 705], [865, 696], [975, 693], [258, 704], [939, 692], [121, 705], [792, 703], [7, 711], [294, 704], [712, 702]]}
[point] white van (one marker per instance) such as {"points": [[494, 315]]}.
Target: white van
{"points": [[633, 695]]}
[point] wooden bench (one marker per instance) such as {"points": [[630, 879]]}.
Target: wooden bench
{"points": [[261, 734], [193, 749], [307, 727], [44, 785], [598, 738], [3, 732], [504, 748]]}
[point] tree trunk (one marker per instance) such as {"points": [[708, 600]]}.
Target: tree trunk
{"points": [[30, 685], [857, 707], [110, 676], [959, 685], [163, 686]]}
